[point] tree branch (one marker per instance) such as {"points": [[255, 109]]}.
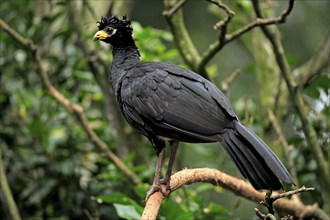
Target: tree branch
{"points": [[217, 178], [219, 44], [6, 192], [67, 104], [174, 9], [225, 84], [296, 96], [305, 73], [182, 39], [222, 25], [269, 200], [287, 149]]}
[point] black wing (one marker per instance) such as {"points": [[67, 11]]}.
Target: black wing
{"points": [[170, 101]]}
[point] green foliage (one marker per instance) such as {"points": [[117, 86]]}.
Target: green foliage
{"points": [[151, 44], [54, 170]]}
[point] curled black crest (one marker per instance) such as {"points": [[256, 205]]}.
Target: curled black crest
{"points": [[114, 22]]}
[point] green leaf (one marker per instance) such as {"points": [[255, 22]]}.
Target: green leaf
{"points": [[126, 211], [321, 82], [119, 198], [141, 190], [57, 136], [216, 208]]}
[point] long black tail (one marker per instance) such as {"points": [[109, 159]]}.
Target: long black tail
{"points": [[255, 159]]}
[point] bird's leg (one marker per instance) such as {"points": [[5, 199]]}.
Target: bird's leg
{"points": [[156, 185], [173, 148]]}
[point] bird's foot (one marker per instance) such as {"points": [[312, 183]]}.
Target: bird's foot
{"points": [[158, 188], [166, 182]]}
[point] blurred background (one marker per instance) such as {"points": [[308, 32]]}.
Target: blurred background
{"points": [[53, 169]]}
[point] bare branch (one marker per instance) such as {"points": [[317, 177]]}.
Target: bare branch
{"points": [[313, 67], [7, 195], [292, 192], [174, 9], [223, 24], [219, 44], [260, 214], [225, 84], [217, 178], [71, 107], [287, 149], [269, 201], [183, 40]]}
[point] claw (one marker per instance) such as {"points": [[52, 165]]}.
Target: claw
{"points": [[157, 188], [166, 181]]}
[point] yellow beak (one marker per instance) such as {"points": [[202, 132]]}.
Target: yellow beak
{"points": [[100, 35]]}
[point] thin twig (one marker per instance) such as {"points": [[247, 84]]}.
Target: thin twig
{"points": [[259, 214], [228, 11], [308, 71], [222, 25], [225, 84], [174, 9], [263, 216], [6, 193], [292, 192], [218, 45], [269, 200], [287, 149], [183, 41], [71, 107]]}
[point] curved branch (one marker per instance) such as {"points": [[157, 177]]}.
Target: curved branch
{"points": [[218, 178], [6, 192], [305, 73], [182, 38], [286, 147], [174, 9], [226, 83], [68, 105], [219, 44]]}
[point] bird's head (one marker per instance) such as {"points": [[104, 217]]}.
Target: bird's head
{"points": [[113, 30]]}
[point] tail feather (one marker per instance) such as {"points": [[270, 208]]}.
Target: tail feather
{"points": [[241, 162], [256, 163], [254, 159]]}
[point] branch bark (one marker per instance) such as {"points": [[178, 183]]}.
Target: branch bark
{"points": [[182, 38], [286, 147], [305, 73], [8, 196], [68, 105], [218, 178], [219, 44]]}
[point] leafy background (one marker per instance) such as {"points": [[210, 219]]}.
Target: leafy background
{"points": [[54, 170]]}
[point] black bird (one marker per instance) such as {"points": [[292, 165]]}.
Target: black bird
{"points": [[166, 102]]}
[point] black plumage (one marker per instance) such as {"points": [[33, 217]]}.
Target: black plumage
{"points": [[164, 100]]}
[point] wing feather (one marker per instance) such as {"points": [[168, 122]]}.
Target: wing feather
{"points": [[176, 103]]}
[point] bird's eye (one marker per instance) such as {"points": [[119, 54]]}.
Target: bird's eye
{"points": [[110, 30]]}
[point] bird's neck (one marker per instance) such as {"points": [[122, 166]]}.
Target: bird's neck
{"points": [[125, 57]]}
